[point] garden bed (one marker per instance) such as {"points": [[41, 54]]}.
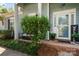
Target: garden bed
{"points": [[15, 45], [25, 47]]}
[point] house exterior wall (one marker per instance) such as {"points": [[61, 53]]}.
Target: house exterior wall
{"points": [[1, 26], [30, 8], [44, 9], [54, 7], [33, 9], [59, 6], [77, 16], [27, 9], [4, 24], [45, 12], [19, 21]]}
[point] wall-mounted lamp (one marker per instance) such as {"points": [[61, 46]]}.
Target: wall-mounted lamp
{"points": [[63, 4], [36, 14]]}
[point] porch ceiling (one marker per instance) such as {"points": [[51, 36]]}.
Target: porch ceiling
{"points": [[63, 6], [23, 4]]}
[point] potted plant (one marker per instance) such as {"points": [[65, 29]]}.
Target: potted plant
{"points": [[76, 37], [52, 35]]}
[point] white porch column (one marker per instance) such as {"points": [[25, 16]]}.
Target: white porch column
{"points": [[16, 22], [47, 36], [39, 9], [40, 13]]}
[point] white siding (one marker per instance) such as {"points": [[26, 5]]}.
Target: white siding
{"points": [[77, 16], [30, 8], [44, 9], [6, 23], [1, 26]]}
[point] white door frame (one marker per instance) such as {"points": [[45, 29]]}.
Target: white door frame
{"points": [[62, 26], [65, 12]]}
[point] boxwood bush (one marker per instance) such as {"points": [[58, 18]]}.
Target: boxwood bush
{"points": [[37, 26]]}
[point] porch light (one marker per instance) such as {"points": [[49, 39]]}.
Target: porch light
{"points": [[36, 14], [63, 4]]}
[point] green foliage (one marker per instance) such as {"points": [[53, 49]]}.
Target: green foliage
{"points": [[29, 24], [1, 18], [3, 9], [75, 35], [4, 34], [4, 31], [14, 44], [32, 49], [37, 26]]}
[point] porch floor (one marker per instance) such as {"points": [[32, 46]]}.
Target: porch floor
{"points": [[63, 44], [61, 48]]}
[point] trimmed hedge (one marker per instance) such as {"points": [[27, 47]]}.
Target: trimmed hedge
{"points": [[35, 25]]}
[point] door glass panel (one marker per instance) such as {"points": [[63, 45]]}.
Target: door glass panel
{"points": [[63, 26], [63, 20], [63, 31]]}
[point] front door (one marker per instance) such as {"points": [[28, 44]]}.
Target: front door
{"points": [[62, 23], [63, 26]]}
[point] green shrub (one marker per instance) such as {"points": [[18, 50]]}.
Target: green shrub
{"points": [[31, 49], [75, 35], [37, 26], [14, 44], [5, 34]]}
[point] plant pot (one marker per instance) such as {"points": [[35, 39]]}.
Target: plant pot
{"points": [[52, 37], [77, 39]]}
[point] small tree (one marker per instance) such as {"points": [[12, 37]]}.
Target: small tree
{"points": [[37, 26]]}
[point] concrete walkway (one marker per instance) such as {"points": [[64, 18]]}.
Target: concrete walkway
{"points": [[9, 52]]}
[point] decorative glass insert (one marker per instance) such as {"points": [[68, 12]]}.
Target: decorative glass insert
{"points": [[63, 31], [63, 20]]}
